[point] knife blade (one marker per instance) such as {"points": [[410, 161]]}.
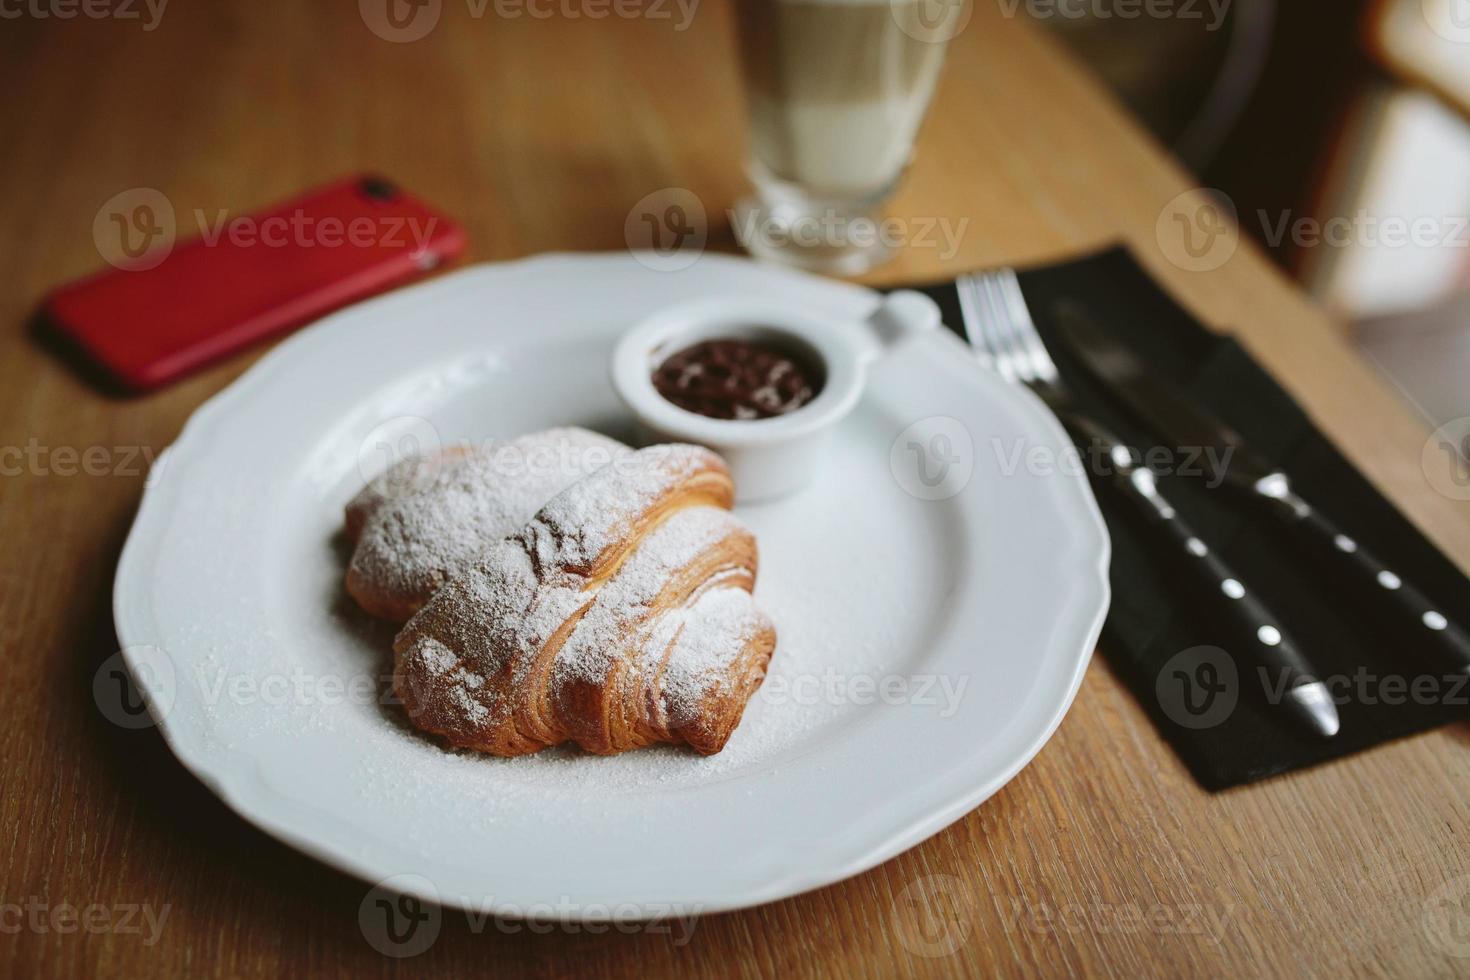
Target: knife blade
{"points": [[1154, 401], [1171, 414]]}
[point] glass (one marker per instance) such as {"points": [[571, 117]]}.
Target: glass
{"points": [[835, 93]]}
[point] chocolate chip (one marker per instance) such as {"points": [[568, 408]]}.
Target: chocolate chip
{"points": [[736, 379]]}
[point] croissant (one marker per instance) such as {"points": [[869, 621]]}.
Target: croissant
{"points": [[427, 517], [619, 616]]}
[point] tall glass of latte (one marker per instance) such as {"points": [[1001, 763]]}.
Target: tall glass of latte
{"points": [[835, 92]]}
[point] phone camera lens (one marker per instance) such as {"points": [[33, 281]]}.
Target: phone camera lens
{"points": [[378, 189]]}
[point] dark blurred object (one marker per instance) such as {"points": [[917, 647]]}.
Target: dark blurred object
{"points": [[1341, 136], [1188, 76], [1250, 94], [1273, 159]]}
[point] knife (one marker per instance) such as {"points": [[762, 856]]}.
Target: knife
{"points": [[1237, 608], [998, 326], [1176, 417]]}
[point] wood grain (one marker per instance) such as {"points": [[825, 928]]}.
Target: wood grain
{"points": [[541, 134]]}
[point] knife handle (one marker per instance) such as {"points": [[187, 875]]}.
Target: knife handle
{"points": [[1397, 592], [1255, 626]]}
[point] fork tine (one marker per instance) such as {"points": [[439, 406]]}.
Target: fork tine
{"points": [[993, 304], [978, 310], [1041, 360], [984, 321], [1003, 327], [970, 313]]}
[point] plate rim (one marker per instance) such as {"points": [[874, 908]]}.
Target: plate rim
{"points": [[241, 789]]}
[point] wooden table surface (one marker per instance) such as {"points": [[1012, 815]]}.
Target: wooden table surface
{"points": [[1102, 857]]}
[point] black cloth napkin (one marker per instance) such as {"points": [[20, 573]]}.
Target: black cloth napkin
{"points": [[1160, 638]]}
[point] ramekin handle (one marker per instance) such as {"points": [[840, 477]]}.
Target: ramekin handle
{"points": [[899, 314]]}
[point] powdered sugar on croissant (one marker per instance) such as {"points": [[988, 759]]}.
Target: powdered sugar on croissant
{"points": [[427, 517], [620, 615]]}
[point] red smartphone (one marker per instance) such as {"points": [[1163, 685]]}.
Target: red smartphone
{"points": [[163, 312]]}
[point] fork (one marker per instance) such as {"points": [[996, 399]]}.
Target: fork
{"points": [[1004, 338]]}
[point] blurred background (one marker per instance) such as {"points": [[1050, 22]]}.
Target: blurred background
{"points": [[1340, 133]]}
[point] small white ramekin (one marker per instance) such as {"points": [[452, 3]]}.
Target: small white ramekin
{"points": [[773, 457]]}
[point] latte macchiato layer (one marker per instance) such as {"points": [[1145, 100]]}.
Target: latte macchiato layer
{"points": [[836, 90]]}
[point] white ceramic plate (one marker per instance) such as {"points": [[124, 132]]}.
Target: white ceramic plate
{"points": [[928, 647]]}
